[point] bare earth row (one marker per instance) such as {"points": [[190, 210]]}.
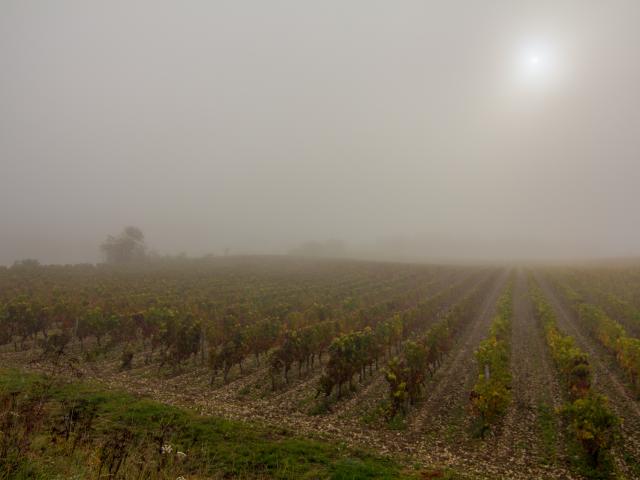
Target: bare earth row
{"points": [[527, 443]]}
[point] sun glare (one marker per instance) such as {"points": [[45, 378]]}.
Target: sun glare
{"points": [[536, 65]]}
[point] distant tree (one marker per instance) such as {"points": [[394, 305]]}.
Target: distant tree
{"points": [[27, 263], [127, 247]]}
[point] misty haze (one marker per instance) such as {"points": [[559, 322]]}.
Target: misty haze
{"points": [[413, 130], [343, 240]]}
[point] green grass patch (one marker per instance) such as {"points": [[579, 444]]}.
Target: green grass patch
{"points": [[547, 425], [214, 447]]}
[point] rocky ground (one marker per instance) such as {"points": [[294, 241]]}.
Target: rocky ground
{"points": [[607, 379], [436, 432]]}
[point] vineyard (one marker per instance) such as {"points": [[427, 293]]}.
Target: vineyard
{"points": [[451, 371]]}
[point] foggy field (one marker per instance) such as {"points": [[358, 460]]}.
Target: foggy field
{"points": [[438, 131], [338, 240], [389, 358]]}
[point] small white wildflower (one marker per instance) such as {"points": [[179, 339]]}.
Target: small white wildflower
{"points": [[166, 448]]}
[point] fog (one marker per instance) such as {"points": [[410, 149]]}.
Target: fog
{"points": [[405, 129]]}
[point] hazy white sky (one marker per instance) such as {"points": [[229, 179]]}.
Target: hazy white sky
{"points": [[452, 128]]}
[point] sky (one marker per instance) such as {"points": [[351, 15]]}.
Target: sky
{"points": [[409, 129]]}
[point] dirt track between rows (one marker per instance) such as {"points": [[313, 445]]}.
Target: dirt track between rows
{"points": [[607, 379], [437, 430], [535, 386], [448, 391]]}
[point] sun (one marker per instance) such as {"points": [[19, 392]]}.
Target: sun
{"points": [[535, 64]]}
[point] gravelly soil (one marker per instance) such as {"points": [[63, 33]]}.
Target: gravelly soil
{"points": [[607, 379], [369, 397], [441, 427], [437, 431], [450, 386], [535, 388]]}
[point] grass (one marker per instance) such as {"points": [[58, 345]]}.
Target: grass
{"points": [[214, 447], [547, 426]]}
